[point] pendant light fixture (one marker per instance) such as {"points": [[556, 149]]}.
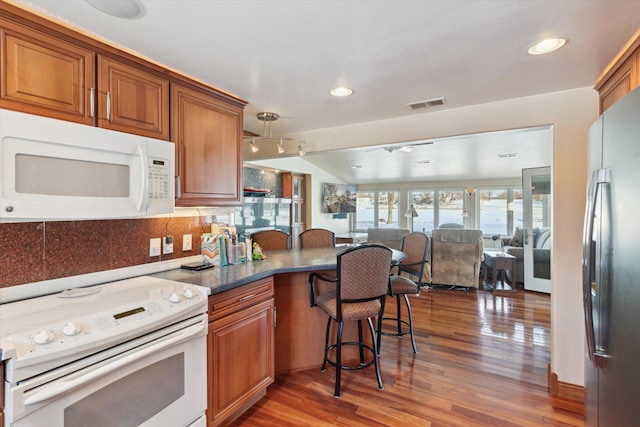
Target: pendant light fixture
{"points": [[281, 142]]}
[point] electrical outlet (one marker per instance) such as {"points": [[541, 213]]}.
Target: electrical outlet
{"points": [[167, 245], [154, 247], [186, 243]]}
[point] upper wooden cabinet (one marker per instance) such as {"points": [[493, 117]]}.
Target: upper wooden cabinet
{"points": [[621, 76], [207, 133], [50, 69], [44, 75], [131, 100]]}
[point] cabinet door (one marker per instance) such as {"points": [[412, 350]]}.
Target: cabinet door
{"points": [[617, 86], [44, 75], [241, 359], [132, 100], [207, 132]]}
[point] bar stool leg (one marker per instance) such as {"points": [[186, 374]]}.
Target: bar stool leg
{"points": [[339, 359], [326, 346], [398, 310], [413, 338], [375, 359], [360, 341]]}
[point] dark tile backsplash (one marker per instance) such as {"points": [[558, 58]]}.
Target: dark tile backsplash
{"points": [[36, 251], [258, 178]]}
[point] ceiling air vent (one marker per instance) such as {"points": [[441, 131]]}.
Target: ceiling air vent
{"points": [[436, 102]]}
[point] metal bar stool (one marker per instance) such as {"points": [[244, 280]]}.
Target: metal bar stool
{"points": [[361, 286], [416, 246]]}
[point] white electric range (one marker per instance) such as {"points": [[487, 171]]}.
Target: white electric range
{"points": [[90, 353]]}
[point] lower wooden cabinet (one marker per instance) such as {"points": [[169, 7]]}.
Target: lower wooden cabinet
{"points": [[240, 350]]}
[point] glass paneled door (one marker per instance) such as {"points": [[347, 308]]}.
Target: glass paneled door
{"points": [[536, 213]]}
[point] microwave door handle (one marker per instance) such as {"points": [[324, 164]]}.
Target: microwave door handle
{"points": [[144, 185], [599, 177], [61, 387]]}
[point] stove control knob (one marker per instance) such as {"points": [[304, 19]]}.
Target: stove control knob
{"points": [[174, 297], [70, 329], [188, 293], [42, 337]]}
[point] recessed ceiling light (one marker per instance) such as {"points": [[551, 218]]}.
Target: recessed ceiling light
{"points": [[127, 9], [355, 167], [547, 46], [422, 162], [341, 92]]}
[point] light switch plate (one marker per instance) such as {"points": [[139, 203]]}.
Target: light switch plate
{"points": [[186, 242], [154, 247], [167, 245]]}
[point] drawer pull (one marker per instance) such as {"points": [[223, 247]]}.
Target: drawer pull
{"points": [[247, 297]]}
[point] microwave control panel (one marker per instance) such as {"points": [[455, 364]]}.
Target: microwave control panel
{"points": [[160, 175]]}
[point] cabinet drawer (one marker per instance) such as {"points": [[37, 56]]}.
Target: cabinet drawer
{"points": [[228, 302]]}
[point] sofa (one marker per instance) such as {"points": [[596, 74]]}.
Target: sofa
{"points": [[391, 237], [542, 241]]}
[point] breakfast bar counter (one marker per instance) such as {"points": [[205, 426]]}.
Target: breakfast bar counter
{"points": [[220, 279], [299, 330]]}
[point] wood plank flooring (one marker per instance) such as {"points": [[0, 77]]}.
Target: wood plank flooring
{"points": [[482, 361]]}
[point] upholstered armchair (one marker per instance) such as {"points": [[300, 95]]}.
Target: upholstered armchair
{"points": [[456, 257]]}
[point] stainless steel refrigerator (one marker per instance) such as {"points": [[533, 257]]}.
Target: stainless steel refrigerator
{"points": [[611, 267]]}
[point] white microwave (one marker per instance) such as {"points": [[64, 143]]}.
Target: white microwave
{"points": [[53, 169]]}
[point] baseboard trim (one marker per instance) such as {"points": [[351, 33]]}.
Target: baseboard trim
{"points": [[565, 395]]}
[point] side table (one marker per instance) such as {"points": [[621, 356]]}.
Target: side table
{"points": [[500, 263]]}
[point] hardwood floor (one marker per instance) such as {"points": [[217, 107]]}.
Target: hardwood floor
{"points": [[482, 361]]}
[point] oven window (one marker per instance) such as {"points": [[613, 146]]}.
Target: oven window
{"points": [[133, 399], [53, 176]]}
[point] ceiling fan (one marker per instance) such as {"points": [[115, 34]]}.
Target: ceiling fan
{"points": [[407, 148]]}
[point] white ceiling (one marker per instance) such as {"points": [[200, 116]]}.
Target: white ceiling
{"points": [[472, 157], [285, 56]]}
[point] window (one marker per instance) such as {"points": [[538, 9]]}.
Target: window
{"points": [[437, 207], [493, 212], [424, 203], [450, 207], [500, 211], [376, 209]]}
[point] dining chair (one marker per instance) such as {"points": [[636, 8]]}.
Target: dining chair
{"points": [[317, 238], [272, 240], [360, 290], [407, 280]]}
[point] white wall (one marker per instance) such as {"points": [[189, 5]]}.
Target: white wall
{"points": [[314, 197], [571, 114]]}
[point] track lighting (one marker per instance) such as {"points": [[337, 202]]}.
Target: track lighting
{"points": [[267, 138], [254, 147]]}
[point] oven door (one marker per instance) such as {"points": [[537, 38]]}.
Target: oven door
{"points": [[159, 383]]}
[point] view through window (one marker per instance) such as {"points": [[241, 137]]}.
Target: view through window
{"points": [[376, 209], [436, 207]]}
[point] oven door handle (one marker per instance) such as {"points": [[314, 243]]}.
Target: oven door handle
{"points": [[60, 387]]}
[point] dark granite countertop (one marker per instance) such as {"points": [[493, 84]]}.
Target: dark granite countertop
{"points": [[220, 279]]}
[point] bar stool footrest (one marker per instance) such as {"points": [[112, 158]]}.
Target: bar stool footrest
{"points": [[353, 367]]}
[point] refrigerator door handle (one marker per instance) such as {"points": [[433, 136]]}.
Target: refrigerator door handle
{"points": [[599, 177]]}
